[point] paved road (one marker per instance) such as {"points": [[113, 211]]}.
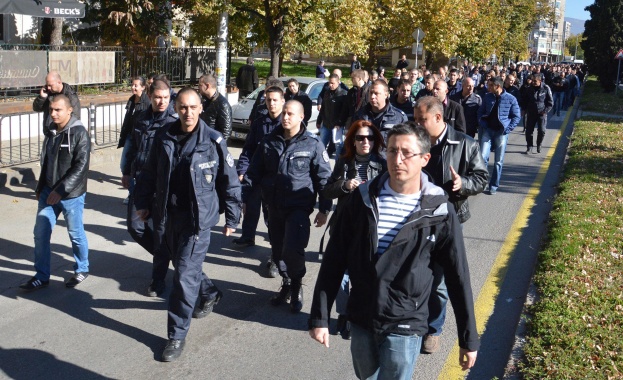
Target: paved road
{"points": [[107, 328]]}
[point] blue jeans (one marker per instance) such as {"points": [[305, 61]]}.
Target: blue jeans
{"points": [[47, 216], [490, 140], [326, 136], [437, 302], [341, 300], [383, 357], [559, 99]]}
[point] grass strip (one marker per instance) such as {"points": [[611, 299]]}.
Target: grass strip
{"points": [[577, 324], [594, 99]]}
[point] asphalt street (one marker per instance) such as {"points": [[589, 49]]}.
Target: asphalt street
{"points": [[107, 327]]}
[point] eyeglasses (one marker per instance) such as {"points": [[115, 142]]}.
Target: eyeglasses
{"points": [[393, 153], [360, 138]]}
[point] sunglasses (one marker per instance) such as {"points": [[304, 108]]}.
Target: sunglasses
{"points": [[363, 137]]}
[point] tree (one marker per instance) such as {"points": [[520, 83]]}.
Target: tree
{"points": [[604, 38], [573, 43]]}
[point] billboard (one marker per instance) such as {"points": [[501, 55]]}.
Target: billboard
{"points": [[22, 68], [84, 67]]}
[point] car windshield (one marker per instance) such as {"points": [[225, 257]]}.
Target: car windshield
{"points": [[254, 94]]}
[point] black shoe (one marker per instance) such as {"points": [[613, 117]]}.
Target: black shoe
{"points": [[244, 242], [283, 295], [529, 150], [341, 323], [538, 149], [296, 297], [346, 331], [205, 306], [34, 284], [156, 288], [173, 350], [271, 268], [76, 279]]}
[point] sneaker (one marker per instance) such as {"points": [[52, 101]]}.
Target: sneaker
{"points": [[529, 150], [126, 200], [34, 284], [492, 191], [431, 344], [284, 293], [156, 288], [271, 268], [76, 279], [538, 149], [244, 242], [205, 307]]}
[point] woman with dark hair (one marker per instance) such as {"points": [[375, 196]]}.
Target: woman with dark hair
{"points": [[139, 101], [361, 162], [381, 71]]}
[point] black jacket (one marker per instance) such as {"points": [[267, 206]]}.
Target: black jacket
{"points": [[470, 106], [304, 99], [131, 111], [453, 115], [259, 128], [142, 136], [463, 154], [334, 109], [390, 293], [356, 98], [71, 161], [217, 114], [406, 107], [538, 100], [215, 185], [290, 174], [43, 105], [384, 120], [247, 79]]}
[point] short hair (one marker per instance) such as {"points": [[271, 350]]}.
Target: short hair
{"points": [[430, 104], [163, 77], [138, 78], [454, 71], [274, 82], [208, 79], [538, 77], [497, 81], [412, 129], [249, 60], [61, 98], [380, 82], [296, 103], [186, 90], [359, 73], [159, 84], [334, 76], [429, 77], [152, 76], [404, 82], [349, 141], [276, 89], [292, 80]]}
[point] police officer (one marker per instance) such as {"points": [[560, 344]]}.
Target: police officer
{"points": [[145, 126], [291, 166], [192, 174]]}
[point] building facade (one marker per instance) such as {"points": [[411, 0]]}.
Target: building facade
{"points": [[547, 39]]}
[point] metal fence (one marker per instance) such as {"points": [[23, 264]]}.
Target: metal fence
{"points": [[21, 134], [183, 66]]}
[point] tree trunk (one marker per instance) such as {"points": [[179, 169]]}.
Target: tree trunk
{"points": [[371, 61], [52, 31]]}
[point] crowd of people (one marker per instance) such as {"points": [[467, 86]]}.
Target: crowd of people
{"points": [[409, 152]]}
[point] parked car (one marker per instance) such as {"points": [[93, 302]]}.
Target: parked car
{"points": [[241, 111]]}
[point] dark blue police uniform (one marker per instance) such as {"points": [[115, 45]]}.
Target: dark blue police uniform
{"points": [[194, 179]]}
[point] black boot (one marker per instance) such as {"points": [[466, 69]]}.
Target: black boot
{"points": [[341, 324], [296, 298], [284, 293]]}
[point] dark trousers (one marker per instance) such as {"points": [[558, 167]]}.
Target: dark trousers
{"points": [[540, 123], [189, 282], [150, 238], [289, 234], [252, 215]]}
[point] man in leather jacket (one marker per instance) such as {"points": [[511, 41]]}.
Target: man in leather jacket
{"points": [[62, 188], [456, 166], [216, 109], [405, 225], [54, 86]]}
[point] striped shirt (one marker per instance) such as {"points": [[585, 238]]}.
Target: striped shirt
{"points": [[394, 210], [362, 170]]}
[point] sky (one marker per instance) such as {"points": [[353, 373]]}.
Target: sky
{"points": [[575, 9]]}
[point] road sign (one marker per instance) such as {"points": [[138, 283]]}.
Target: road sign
{"points": [[418, 35], [619, 55]]}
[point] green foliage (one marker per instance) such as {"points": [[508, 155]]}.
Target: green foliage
{"points": [[575, 331], [594, 99], [604, 38], [575, 41]]}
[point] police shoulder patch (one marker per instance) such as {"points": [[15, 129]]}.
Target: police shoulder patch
{"points": [[230, 160], [325, 156]]}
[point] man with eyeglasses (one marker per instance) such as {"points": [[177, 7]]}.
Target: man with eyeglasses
{"points": [[406, 225], [457, 166]]}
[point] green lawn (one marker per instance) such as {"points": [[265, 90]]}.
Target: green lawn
{"points": [[289, 69], [596, 100], [577, 327]]}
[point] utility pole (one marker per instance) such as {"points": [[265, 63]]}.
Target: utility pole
{"points": [[221, 53]]}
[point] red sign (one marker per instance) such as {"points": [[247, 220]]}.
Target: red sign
{"points": [[619, 55]]}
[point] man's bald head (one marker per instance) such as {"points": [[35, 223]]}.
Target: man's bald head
{"points": [[440, 89], [53, 83], [295, 105]]}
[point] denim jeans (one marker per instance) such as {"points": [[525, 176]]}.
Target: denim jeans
{"points": [[47, 215], [490, 140], [383, 357], [326, 136], [559, 101], [341, 300], [437, 302]]}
